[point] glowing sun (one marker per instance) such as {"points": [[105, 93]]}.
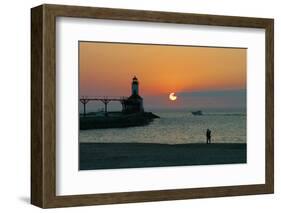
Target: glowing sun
{"points": [[172, 96]]}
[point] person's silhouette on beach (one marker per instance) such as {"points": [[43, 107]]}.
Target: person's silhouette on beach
{"points": [[208, 136]]}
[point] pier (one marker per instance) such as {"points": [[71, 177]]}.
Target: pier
{"points": [[132, 113], [105, 100]]}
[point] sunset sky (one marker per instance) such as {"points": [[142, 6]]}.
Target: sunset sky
{"points": [[199, 76]]}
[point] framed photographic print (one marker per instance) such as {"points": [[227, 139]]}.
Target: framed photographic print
{"points": [[137, 106]]}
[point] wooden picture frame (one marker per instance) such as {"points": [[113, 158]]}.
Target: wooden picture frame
{"points": [[43, 105]]}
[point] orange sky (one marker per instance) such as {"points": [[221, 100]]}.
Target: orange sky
{"points": [[106, 69]]}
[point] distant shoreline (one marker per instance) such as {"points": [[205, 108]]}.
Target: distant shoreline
{"points": [[141, 155]]}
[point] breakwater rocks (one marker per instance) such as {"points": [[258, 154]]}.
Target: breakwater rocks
{"points": [[116, 120]]}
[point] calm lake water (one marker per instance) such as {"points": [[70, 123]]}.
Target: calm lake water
{"points": [[176, 128]]}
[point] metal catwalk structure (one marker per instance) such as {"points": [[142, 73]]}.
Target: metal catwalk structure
{"points": [[105, 100]]}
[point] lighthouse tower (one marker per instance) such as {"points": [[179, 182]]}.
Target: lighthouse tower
{"points": [[133, 104], [135, 86]]}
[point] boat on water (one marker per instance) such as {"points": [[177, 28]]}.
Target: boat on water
{"points": [[199, 112]]}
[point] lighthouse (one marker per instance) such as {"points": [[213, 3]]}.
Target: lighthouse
{"points": [[135, 86], [134, 103]]}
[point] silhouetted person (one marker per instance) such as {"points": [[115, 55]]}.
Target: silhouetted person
{"points": [[208, 136]]}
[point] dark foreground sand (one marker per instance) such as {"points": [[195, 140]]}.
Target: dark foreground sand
{"points": [[137, 155]]}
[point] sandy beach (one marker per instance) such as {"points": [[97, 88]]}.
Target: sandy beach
{"points": [[139, 155]]}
